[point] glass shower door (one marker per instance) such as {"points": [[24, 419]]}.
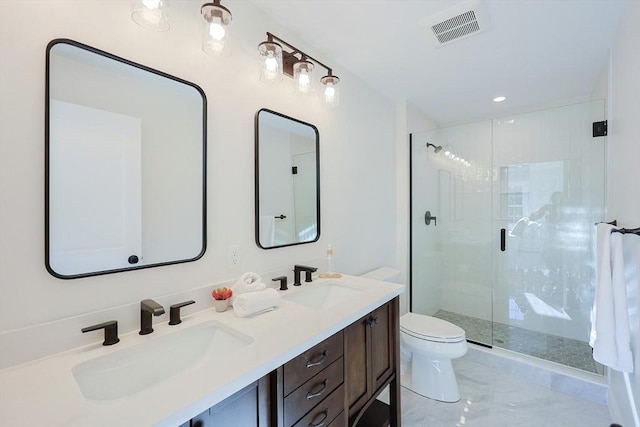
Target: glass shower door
{"points": [[451, 231], [548, 193]]}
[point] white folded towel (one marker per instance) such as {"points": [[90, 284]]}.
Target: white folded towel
{"points": [[610, 325], [255, 302], [248, 282]]}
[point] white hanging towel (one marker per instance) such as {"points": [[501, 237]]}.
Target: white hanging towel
{"points": [[610, 335]]}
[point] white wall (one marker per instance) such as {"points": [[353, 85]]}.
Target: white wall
{"points": [[624, 182], [358, 194]]}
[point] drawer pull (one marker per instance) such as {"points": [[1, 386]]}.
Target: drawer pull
{"points": [[325, 415], [319, 361], [311, 395]]}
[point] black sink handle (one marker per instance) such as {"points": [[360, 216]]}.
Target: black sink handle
{"points": [[174, 312], [110, 331]]}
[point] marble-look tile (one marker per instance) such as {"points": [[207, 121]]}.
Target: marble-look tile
{"points": [[592, 389], [491, 397]]}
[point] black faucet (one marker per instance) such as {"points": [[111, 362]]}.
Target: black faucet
{"points": [[148, 308], [110, 331], [297, 269]]}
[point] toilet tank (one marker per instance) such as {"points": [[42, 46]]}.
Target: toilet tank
{"points": [[386, 274]]}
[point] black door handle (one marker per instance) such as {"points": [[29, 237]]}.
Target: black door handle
{"points": [[503, 239]]}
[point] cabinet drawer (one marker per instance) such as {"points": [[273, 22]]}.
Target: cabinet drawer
{"points": [[326, 412], [312, 361], [313, 392]]}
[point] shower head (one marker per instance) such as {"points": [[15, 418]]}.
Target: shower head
{"points": [[436, 149]]}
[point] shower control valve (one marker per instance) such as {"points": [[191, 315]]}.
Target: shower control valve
{"points": [[428, 218]]}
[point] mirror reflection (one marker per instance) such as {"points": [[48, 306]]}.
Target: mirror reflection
{"points": [[125, 164], [287, 181]]}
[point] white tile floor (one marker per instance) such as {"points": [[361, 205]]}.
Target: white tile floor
{"points": [[496, 398]]}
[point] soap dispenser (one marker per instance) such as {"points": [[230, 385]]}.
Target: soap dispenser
{"points": [[329, 274]]}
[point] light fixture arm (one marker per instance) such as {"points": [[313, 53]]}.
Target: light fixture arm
{"points": [[289, 58]]}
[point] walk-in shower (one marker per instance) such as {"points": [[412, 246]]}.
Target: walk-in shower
{"points": [[510, 257]]}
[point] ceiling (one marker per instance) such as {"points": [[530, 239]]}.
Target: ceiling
{"points": [[537, 53]]}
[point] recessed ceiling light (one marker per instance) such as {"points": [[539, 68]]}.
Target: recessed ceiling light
{"points": [[499, 98]]}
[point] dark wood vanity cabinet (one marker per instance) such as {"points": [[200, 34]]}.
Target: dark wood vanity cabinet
{"points": [[368, 353], [371, 353], [248, 407], [309, 389], [333, 384]]}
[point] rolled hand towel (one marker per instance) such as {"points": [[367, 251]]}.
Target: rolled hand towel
{"points": [[248, 282], [254, 302]]}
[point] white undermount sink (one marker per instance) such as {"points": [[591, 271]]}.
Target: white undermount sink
{"points": [[322, 295], [130, 370]]}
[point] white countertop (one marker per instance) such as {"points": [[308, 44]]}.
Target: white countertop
{"points": [[44, 392]]}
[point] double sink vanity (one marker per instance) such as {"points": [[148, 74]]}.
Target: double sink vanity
{"points": [[320, 358]]}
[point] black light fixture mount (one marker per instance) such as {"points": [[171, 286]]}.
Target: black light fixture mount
{"points": [[296, 64]]}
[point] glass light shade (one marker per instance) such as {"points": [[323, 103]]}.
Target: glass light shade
{"points": [[271, 62], [150, 14], [331, 91], [303, 77], [215, 32]]}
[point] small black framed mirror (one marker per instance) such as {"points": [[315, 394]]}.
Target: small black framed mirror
{"points": [[287, 181], [125, 164]]}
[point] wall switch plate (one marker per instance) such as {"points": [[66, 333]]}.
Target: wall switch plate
{"points": [[233, 256]]}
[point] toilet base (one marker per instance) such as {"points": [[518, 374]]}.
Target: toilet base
{"points": [[431, 377]]}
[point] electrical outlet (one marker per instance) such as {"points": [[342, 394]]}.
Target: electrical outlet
{"points": [[233, 256]]}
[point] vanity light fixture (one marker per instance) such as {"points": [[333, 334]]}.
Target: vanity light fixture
{"points": [[499, 98], [216, 19], [331, 91], [150, 14], [271, 61], [294, 63], [303, 76]]}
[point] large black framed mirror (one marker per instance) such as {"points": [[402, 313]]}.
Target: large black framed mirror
{"points": [[287, 181], [125, 164]]}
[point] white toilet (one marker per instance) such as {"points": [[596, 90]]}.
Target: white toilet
{"points": [[430, 344]]}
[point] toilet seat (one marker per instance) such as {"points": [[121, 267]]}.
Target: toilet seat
{"points": [[430, 328]]}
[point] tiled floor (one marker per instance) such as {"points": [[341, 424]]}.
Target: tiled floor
{"points": [[494, 398], [566, 351]]}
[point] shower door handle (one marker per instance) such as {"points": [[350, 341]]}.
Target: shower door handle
{"points": [[428, 218], [503, 239]]}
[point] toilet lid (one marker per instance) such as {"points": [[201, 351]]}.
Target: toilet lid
{"points": [[430, 328]]}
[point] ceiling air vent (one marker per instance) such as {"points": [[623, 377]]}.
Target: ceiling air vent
{"points": [[464, 19]]}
